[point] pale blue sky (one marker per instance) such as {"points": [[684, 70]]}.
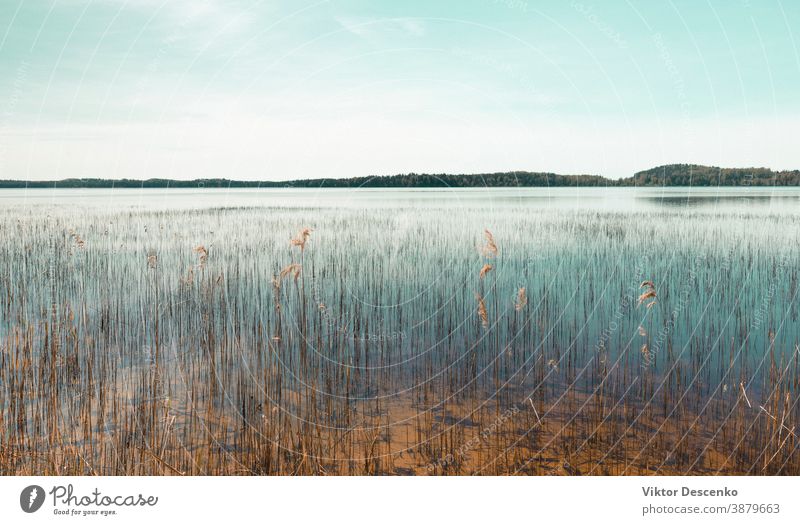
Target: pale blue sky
{"points": [[278, 90]]}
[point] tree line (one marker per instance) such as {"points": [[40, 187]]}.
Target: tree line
{"points": [[669, 175]]}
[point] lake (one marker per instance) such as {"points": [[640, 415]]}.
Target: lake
{"points": [[753, 199], [501, 331]]}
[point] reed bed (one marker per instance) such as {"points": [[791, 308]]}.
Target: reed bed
{"points": [[315, 341]]}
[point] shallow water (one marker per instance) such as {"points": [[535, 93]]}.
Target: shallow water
{"points": [[383, 329]]}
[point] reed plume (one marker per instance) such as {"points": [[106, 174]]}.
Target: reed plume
{"points": [[202, 254], [649, 293], [293, 269], [301, 238], [79, 242], [522, 300], [268, 379], [489, 249]]}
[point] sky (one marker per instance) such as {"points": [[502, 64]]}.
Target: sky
{"points": [[280, 90]]}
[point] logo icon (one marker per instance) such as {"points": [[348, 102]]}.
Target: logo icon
{"points": [[31, 498]]}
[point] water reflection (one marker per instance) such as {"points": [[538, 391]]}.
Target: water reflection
{"points": [[723, 201], [738, 200]]}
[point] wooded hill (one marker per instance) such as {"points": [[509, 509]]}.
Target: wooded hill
{"points": [[670, 175]]}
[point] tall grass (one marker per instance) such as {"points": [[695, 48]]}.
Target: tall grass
{"points": [[221, 341]]}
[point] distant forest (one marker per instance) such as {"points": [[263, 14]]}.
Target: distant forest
{"points": [[671, 175]]}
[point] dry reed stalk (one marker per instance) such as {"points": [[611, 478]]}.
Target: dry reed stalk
{"points": [[744, 393], [522, 300], [482, 313], [189, 279], [43, 363]]}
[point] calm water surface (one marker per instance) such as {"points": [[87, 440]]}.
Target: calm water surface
{"points": [[743, 200]]}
